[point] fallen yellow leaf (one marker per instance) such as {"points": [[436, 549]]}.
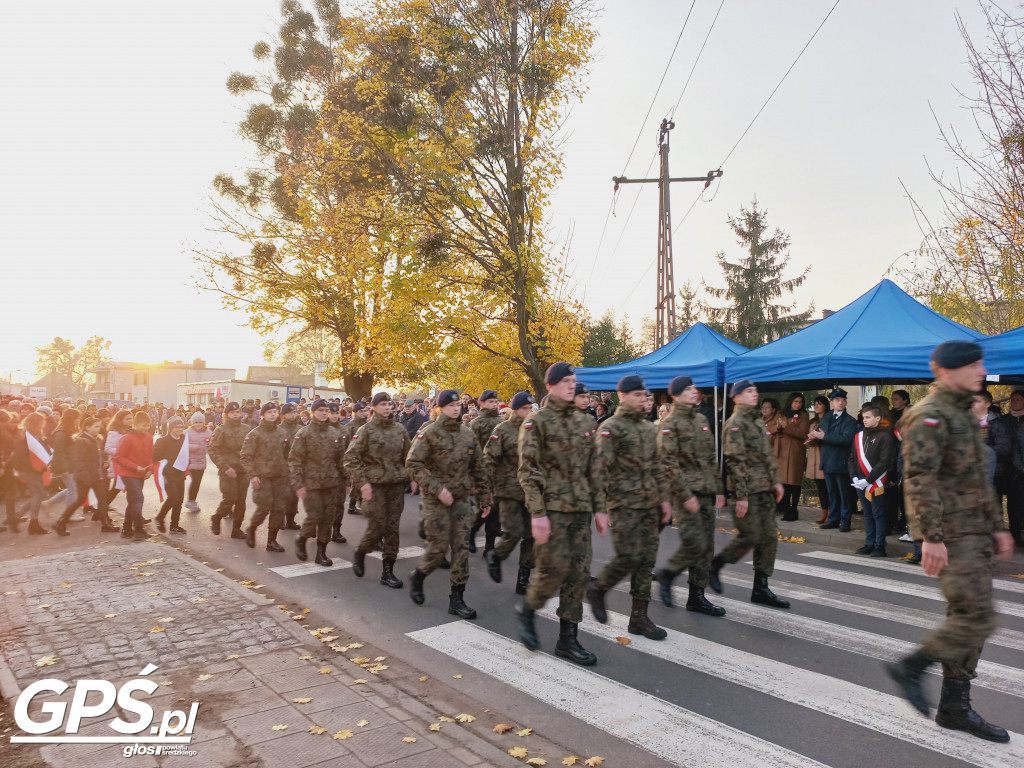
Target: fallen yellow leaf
{"points": [[360, 681], [154, 594], [623, 640], [503, 728], [328, 639], [340, 735], [219, 570], [360, 660], [46, 661], [279, 727], [446, 719], [234, 656], [157, 628], [353, 646], [307, 657], [318, 729], [465, 718], [11, 592], [1016, 575], [363, 723], [570, 760], [524, 732], [166, 682], [204, 677], [324, 670], [302, 700], [538, 761], [166, 619], [409, 740], [110, 615], [65, 584], [381, 658], [424, 679], [593, 762], [456, 677], [434, 727], [146, 573], [518, 752], [305, 610], [45, 606], [200, 600]]}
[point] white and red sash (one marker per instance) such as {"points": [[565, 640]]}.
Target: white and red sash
{"points": [[39, 456], [878, 487]]}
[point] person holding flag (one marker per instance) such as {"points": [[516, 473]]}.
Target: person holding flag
{"points": [[872, 457], [133, 463], [171, 458], [32, 457], [87, 462]]}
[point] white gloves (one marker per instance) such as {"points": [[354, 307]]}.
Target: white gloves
{"points": [[860, 484]]}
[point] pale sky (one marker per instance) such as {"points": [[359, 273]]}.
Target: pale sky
{"points": [[116, 119]]}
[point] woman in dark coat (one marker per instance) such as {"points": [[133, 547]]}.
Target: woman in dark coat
{"points": [[790, 429], [88, 463]]}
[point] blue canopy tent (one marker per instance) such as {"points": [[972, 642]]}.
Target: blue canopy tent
{"points": [[697, 352], [1004, 356], [884, 337]]}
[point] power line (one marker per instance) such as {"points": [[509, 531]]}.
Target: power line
{"points": [[672, 112]]}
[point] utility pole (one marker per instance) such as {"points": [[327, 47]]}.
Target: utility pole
{"points": [[665, 306]]}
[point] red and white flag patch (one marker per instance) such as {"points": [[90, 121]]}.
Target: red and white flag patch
{"points": [[931, 422]]}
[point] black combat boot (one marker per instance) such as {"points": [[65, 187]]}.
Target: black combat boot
{"points": [[457, 606], [713, 581], [336, 536], [250, 537], [236, 530], [527, 632], [641, 624], [955, 712], [321, 555], [568, 646], [359, 563], [471, 538], [416, 586], [300, 548], [291, 525], [272, 545], [493, 565], [697, 602], [907, 673], [595, 596], [387, 576], [764, 596], [522, 580], [215, 523], [446, 564], [665, 577]]}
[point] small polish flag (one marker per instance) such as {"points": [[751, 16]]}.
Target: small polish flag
{"points": [[158, 478], [181, 461], [91, 499], [40, 457]]}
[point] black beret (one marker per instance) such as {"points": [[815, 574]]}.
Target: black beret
{"points": [[956, 354], [519, 399], [447, 397], [558, 371], [630, 383], [333, 407], [357, 406], [837, 393], [380, 397], [488, 394], [740, 386], [581, 388], [288, 408], [232, 406], [268, 407], [678, 384], [318, 403]]}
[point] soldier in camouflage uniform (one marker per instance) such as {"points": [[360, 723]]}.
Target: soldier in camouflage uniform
{"points": [[501, 458], [290, 425], [560, 476], [483, 425], [687, 448], [446, 462], [953, 508], [315, 463], [341, 431], [224, 449], [637, 497], [359, 417], [756, 487], [264, 457], [375, 459]]}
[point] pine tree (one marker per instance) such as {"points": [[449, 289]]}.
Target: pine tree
{"points": [[754, 283]]}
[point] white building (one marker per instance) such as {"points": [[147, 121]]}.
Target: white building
{"points": [[140, 383]]}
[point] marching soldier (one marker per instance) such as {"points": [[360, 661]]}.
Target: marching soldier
{"points": [[359, 418], [560, 476], [483, 425], [315, 465], [637, 497], [224, 451], [290, 425], [953, 508], [344, 433], [264, 457], [375, 459], [688, 454], [756, 486], [501, 458], [446, 463]]}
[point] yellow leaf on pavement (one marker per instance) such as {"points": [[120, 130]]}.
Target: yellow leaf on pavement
{"points": [[166, 619], [340, 735], [302, 700], [324, 670], [409, 740], [353, 646], [593, 762], [166, 682], [46, 661], [424, 679], [456, 677], [446, 719], [434, 727], [524, 732], [381, 658], [204, 677], [362, 723], [279, 727], [538, 761], [234, 656], [360, 681], [11, 592], [110, 615], [65, 584], [502, 728], [518, 752], [465, 718], [319, 729], [307, 657], [153, 594], [570, 760], [157, 628], [623, 640]]}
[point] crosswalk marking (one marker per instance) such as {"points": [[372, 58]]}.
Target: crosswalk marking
{"points": [[403, 553], [890, 565], [996, 677], [914, 617], [850, 703], [877, 582], [305, 569], [674, 734]]}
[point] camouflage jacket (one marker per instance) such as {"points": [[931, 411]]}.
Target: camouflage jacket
{"points": [[445, 454], [501, 459], [749, 461], [947, 492], [632, 473], [265, 451], [315, 458], [226, 445], [558, 465], [688, 454], [483, 425], [376, 452], [290, 429]]}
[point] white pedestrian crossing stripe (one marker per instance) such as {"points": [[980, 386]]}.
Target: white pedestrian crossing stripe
{"points": [[892, 565], [881, 712], [306, 569], [676, 735], [877, 582]]}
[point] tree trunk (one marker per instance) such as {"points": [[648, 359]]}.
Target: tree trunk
{"points": [[358, 385]]}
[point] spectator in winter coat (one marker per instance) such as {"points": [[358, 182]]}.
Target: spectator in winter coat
{"points": [[872, 457], [62, 465], [89, 468], [791, 428], [836, 432], [27, 463], [198, 436], [133, 461]]}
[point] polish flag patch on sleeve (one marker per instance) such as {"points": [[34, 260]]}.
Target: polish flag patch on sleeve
{"points": [[527, 425], [706, 428], [666, 431], [605, 433], [495, 437], [734, 429], [931, 422]]}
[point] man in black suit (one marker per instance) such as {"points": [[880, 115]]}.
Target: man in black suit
{"points": [[836, 432]]}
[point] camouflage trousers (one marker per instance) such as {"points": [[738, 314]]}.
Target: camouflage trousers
{"points": [[563, 565], [319, 514], [970, 616], [271, 498], [447, 527], [635, 538], [338, 503], [383, 513], [758, 531], [515, 528], [233, 491], [696, 542]]}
